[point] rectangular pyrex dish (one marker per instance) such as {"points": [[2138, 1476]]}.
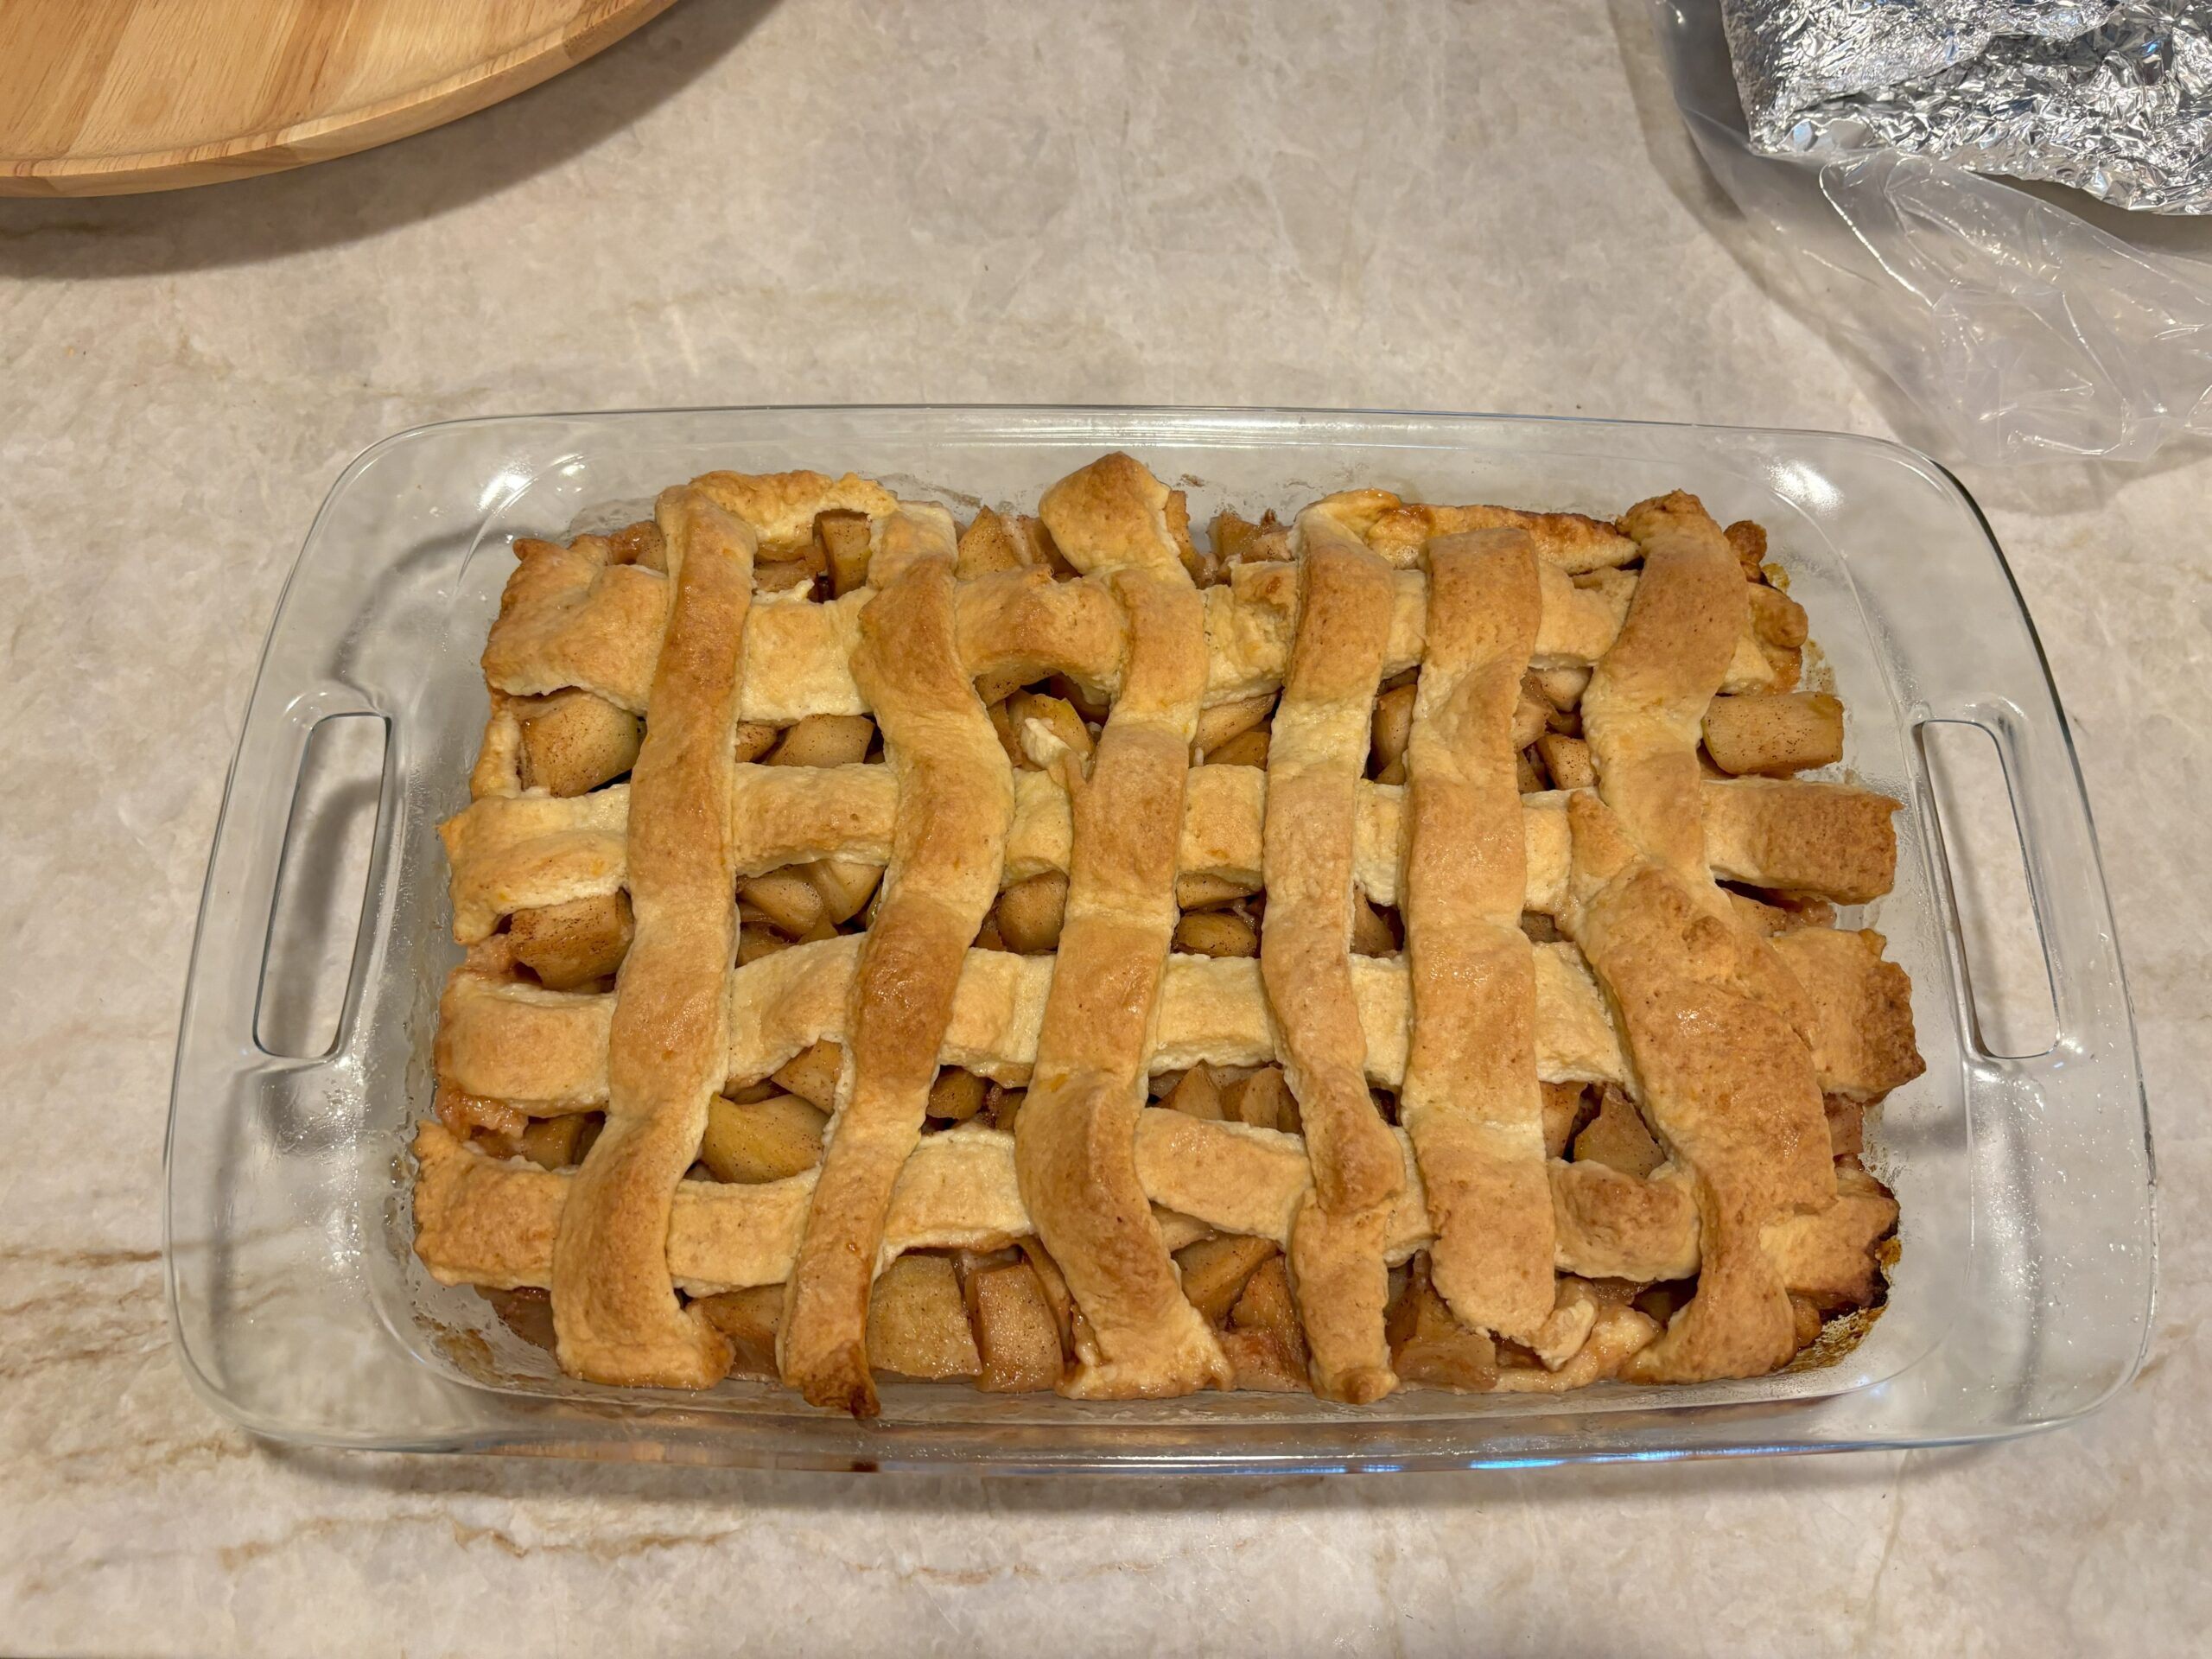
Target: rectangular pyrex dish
{"points": [[2022, 1297]]}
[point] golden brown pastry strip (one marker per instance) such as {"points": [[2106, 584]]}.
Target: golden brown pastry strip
{"points": [[1469, 1100], [1645, 706], [507, 1040], [1017, 627], [1398, 531], [1112, 516], [503, 1040], [1316, 754], [954, 802], [569, 618], [512, 853], [1719, 1068], [484, 1221], [614, 1308], [781, 506], [1644, 713], [1076, 1148], [1862, 1035]]}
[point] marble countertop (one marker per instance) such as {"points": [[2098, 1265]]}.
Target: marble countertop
{"points": [[1413, 205]]}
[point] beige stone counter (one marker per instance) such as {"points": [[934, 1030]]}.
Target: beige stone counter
{"points": [[1425, 205]]}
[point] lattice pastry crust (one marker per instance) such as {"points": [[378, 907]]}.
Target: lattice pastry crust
{"points": [[1391, 949]]}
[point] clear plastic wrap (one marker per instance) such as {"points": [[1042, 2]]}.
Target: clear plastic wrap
{"points": [[2019, 330]]}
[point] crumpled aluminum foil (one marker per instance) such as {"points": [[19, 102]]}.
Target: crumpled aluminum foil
{"points": [[2112, 97]]}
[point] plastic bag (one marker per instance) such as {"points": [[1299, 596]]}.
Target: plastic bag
{"points": [[2021, 331]]}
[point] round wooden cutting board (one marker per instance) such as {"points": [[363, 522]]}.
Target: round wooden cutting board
{"points": [[104, 97]]}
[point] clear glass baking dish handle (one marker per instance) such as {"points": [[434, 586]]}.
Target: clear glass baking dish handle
{"points": [[256, 1168], [267, 818], [2052, 1206]]}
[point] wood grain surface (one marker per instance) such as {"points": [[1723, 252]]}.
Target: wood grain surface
{"points": [[106, 97]]}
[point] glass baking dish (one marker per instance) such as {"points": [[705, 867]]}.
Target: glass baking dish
{"points": [[2022, 1298]]}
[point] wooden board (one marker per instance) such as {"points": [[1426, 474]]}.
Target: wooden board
{"points": [[105, 97]]}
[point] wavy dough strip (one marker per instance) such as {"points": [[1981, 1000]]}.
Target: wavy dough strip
{"points": [[505, 1040], [581, 621], [480, 1220], [510, 852]]}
